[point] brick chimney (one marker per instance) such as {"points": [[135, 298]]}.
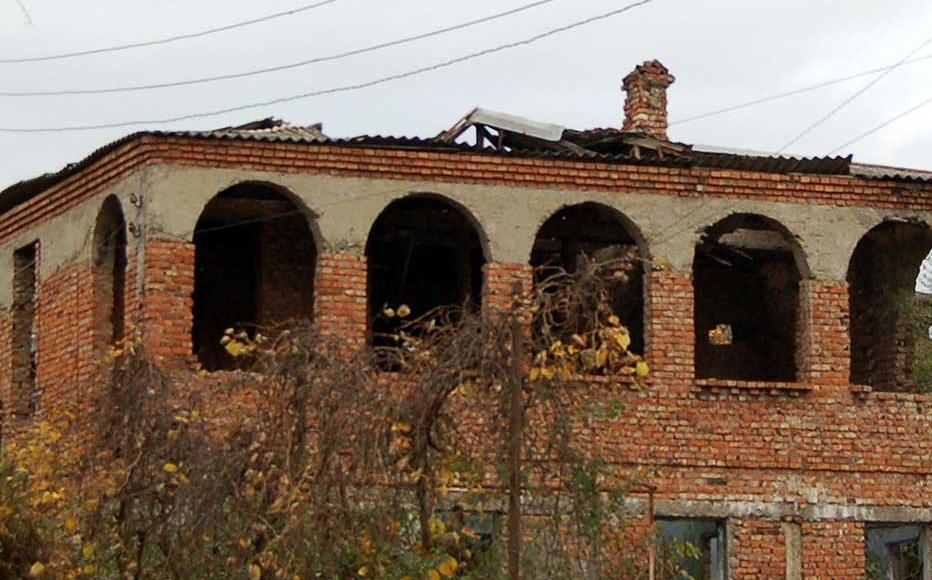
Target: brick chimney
{"points": [[646, 103]]}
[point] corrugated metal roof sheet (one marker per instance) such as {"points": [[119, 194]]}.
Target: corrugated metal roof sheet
{"points": [[531, 140], [885, 172], [269, 129]]}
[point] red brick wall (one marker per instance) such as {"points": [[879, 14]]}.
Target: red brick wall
{"points": [[65, 330], [341, 307], [832, 550], [816, 442], [825, 349], [757, 550], [670, 335], [501, 281], [168, 301]]}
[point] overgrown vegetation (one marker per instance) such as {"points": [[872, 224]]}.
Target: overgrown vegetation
{"points": [[312, 463]]}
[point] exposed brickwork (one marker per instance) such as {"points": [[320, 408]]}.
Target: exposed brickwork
{"points": [[825, 357], [340, 293], [757, 550], [803, 443], [168, 302], [66, 355], [833, 549], [460, 168], [669, 318], [646, 103], [133, 305], [286, 281], [501, 281]]}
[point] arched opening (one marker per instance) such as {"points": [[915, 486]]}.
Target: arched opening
{"points": [[746, 278], [890, 348], [425, 253], [597, 233], [109, 274], [254, 262]]}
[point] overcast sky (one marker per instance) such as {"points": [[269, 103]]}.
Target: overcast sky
{"points": [[722, 52]]}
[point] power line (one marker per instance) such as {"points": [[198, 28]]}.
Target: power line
{"points": [[22, 6], [854, 96], [169, 39], [882, 125], [278, 68], [799, 91], [340, 89]]}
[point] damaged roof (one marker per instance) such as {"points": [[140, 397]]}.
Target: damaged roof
{"points": [[269, 129], [498, 133]]}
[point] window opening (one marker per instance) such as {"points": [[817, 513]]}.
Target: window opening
{"points": [[254, 267], [746, 283], [109, 274], [895, 552], [425, 254], [24, 331], [890, 345], [594, 233], [691, 549]]}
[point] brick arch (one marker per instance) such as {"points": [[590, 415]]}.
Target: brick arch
{"points": [[630, 228], [468, 214], [109, 266], [750, 318], [255, 254], [300, 206], [597, 232], [733, 220], [425, 251], [887, 322]]}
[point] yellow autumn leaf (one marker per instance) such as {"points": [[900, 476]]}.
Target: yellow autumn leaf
{"points": [[546, 373], [403, 310], [642, 369], [534, 374], [37, 569], [236, 348], [614, 320], [87, 550], [363, 571], [433, 575], [448, 568], [601, 358], [170, 467], [255, 572], [623, 339], [71, 524], [402, 427]]}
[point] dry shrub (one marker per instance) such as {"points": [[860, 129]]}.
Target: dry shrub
{"points": [[312, 463]]}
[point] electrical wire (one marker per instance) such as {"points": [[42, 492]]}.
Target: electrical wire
{"points": [[169, 39], [876, 128], [854, 96], [278, 68], [340, 89], [799, 91]]}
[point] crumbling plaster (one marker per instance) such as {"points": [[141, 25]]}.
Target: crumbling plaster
{"points": [[509, 217]]}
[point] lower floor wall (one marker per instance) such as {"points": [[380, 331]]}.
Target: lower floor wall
{"points": [[766, 549]]}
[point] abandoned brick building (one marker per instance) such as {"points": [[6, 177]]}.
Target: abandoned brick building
{"points": [[783, 415]]}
